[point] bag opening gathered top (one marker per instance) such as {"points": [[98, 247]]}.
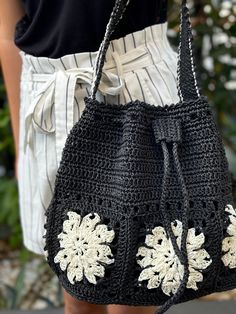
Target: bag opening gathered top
{"points": [[142, 211]]}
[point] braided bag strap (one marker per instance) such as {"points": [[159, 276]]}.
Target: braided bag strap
{"points": [[116, 15], [186, 77]]}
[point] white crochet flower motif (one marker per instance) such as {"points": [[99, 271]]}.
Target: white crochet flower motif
{"points": [[161, 264], [229, 243], [85, 248]]}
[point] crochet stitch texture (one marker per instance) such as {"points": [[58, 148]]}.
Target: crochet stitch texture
{"points": [[153, 184]]}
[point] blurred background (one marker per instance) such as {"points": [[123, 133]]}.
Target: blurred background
{"points": [[26, 282]]}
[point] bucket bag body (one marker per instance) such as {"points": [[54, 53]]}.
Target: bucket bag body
{"points": [[142, 211]]}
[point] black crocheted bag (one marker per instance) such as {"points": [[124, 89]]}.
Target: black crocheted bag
{"points": [[142, 212]]}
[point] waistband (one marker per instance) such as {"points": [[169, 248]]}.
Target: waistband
{"points": [[154, 34], [60, 76]]}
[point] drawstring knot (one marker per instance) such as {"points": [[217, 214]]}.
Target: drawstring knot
{"points": [[168, 130]]}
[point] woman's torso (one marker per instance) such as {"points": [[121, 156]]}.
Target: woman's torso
{"points": [[56, 28]]}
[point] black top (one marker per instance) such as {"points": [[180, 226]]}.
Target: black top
{"points": [[55, 28]]}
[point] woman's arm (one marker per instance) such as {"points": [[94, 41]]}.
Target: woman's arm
{"points": [[10, 12]]}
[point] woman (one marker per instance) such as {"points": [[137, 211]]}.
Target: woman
{"points": [[46, 47]]}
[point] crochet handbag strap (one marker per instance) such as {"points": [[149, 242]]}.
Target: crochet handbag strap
{"points": [[186, 77], [116, 15]]}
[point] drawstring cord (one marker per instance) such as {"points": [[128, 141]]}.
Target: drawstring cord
{"points": [[167, 130]]}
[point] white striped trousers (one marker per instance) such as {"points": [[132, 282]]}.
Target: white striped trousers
{"points": [[142, 65]]}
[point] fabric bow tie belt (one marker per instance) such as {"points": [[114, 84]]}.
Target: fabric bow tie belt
{"points": [[46, 113]]}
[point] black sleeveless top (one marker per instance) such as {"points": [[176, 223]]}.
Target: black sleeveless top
{"points": [[52, 28]]}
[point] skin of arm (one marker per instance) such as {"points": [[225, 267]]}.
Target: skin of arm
{"points": [[10, 12]]}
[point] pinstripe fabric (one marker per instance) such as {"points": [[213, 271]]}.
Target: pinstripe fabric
{"points": [[141, 65]]}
